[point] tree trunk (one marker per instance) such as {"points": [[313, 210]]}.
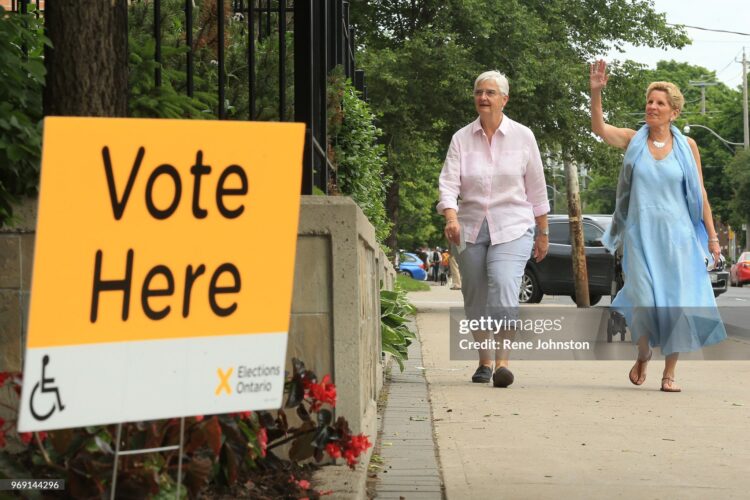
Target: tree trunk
{"points": [[87, 68]]}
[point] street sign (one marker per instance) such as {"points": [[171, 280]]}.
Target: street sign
{"points": [[163, 269]]}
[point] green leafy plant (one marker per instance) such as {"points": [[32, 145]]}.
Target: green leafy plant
{"points": [[395, 310], [218, 450], [22, 76], [146, 100], [170, 99], [359, 159]]}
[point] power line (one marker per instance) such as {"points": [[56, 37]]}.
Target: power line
{"points": [[709, 29], [728, 64]]}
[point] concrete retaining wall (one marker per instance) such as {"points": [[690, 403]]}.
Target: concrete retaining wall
{"points": [[16, 260], [335, 325]]}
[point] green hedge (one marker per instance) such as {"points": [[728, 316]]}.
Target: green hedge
{"points": [[21, 83]]}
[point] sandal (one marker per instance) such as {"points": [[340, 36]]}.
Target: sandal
{"points": [[670, 382], [639, 367]]}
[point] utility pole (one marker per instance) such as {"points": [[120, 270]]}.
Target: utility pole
{"points": [[746, 130], [703, 86], [580, 271], [744, 100]]}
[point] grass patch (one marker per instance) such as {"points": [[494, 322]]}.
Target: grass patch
{"points": [[411, 285]]}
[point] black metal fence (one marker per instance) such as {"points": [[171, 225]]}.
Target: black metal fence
{"points": [[323, 39]]}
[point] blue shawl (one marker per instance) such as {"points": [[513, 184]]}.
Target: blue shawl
{"points": [[612, 238]]}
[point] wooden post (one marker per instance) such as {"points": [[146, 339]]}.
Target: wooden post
{"points": [[580, 272]]}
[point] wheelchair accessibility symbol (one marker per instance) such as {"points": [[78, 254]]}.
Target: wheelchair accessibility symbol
{"points": [[45, 386]]}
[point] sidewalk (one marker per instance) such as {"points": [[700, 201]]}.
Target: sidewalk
{"points": [[579, 429]]}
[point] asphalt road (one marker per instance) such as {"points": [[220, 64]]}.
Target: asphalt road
{"points": [[732, 297]]}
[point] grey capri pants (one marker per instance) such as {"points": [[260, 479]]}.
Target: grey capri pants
{"points": [[491, 274]]}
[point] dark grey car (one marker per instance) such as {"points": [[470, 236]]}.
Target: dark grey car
{"points": [[554, 274]]}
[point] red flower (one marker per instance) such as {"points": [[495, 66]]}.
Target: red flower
{"points": [[352, 448], [333, 450], [199, 418], [320, 393], [262, 441], [26, 437], [4, 376], [359, 443], [351, 458], [304, 484]]}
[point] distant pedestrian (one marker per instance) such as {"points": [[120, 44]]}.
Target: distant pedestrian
{"points": [[444, 266], [435, 260], [494, 165], [455, 273], [662, 222], [422, 254]]}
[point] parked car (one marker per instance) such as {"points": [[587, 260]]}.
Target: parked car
{"points": [[412, 266], [554, 274], [739, 274]]}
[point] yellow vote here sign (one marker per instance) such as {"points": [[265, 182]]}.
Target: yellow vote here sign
{"points": [[163, 269]]}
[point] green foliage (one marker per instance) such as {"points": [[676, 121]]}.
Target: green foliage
{"points": [[170, 99], [738, 170], [394, 312], [21, 82], [359, 159], [146, 100]]}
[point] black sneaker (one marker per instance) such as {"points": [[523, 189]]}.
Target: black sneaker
{"points": [[482, 375], [502, 377]]}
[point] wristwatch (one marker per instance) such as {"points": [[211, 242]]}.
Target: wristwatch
{"points": [[544, 231]]}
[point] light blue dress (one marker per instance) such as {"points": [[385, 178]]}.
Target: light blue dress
{"points": [[667, 292]]}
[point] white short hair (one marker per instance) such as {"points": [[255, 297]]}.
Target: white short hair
{"points": [[495, 76]]}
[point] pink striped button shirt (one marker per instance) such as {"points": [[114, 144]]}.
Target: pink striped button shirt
{"points": [[503, 182]]}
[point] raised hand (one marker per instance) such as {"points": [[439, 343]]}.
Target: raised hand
{"points": [[598, 76]]}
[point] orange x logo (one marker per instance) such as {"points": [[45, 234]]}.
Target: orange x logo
{"points": [[224, 381]]}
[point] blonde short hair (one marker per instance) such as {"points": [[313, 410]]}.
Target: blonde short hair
{"points": [[674, 96], [500, 80]]}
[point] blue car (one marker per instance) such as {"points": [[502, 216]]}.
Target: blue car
{"points": [[412, 266]]}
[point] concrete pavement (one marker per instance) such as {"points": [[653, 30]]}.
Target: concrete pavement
{"points": [[579, 429]]}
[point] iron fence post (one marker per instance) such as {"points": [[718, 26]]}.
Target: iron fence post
{"points": [[303, 84], [189, 43], [220, 43], [157, 42]]}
